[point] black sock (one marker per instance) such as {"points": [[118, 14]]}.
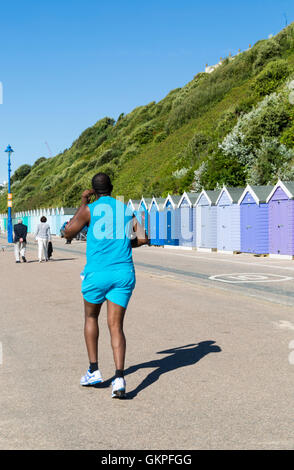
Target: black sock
{"points": [[119, 373], [93, 367]]}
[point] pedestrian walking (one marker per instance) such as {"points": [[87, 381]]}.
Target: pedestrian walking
{"points": [[20, 241], [109, 274], [43, 236]]}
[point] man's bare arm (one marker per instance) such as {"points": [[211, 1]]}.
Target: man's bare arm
{"points": [[81, 217], [141, 235]]}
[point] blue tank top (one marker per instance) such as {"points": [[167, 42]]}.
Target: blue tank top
{"points": [[108, 237]]}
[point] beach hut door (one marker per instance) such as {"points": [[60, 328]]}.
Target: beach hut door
{"points": [[224, 227], [279, 226], [248, 227]]}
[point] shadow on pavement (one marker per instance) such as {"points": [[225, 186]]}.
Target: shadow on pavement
{"points": [[52, 260], [181, 356]]}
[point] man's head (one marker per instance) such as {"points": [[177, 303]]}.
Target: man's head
{"points": [[19, 221], [101, 184], [43, 219]]}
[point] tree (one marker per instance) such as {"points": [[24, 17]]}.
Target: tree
{"points": [[21, 173]]}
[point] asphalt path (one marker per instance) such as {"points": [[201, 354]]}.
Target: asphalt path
{"points": [[209, 354]]}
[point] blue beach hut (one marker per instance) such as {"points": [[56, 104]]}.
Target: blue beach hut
{"points": [[206, 220], [228, 220], [143, 208], [155, 210], [133, 206], [168, 220], [187, 220], [254, 219], [53, 222]]}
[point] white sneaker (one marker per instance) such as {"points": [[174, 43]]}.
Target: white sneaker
{"points": [[118, 387], [91, 379]]}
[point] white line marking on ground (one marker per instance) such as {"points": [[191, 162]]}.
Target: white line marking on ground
{"points": [[284, 325], [238, 278]]}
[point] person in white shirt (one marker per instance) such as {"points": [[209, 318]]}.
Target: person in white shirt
{"points": [[43, 236]]}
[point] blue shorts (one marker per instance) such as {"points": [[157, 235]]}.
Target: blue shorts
{"points": [[116, 286]]}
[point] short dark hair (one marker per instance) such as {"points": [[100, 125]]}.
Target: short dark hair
{"points": [[43, 219], [101, 184]]}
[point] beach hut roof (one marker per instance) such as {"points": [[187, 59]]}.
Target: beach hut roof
{"points": [[233, 193], [134, 203], [174, 200], [259, 193], [212, 196], [287, 186], [146, 200], [68, 210], [191, 197], [159, 201]]}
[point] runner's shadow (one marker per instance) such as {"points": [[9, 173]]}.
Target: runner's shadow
{"points": [[177, 357]]}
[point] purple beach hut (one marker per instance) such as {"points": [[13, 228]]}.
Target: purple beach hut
{"points": [[281, 220]]}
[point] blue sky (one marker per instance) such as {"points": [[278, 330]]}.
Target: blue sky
{"points": [[67, 63]]}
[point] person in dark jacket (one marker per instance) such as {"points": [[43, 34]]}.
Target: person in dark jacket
{"points": [[20, 241]]}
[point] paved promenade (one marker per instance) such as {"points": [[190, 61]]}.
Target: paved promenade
{"points": [[207, 354]]}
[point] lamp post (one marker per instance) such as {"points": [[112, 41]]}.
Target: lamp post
{"points": [[9, 199]]}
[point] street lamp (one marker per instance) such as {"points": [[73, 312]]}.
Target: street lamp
{"points": [[9, 199]]}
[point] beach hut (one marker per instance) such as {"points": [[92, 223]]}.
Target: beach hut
{"points": [[206, 220], [187, 220], [155, 211], [133, 206], [53, 222], [168, 221], [58, 220], [29, 214], [2, 222], [35, 220], [254, 219], [281, 220], [228, 220], [49, 217], [143, 208]]}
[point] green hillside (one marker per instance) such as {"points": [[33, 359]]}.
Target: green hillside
{"points": [[232, 126]]}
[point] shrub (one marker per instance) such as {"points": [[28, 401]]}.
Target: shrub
{"points": [[130, 152], [143, 134], [197, 148], [26, 190], [226, 123], [271, 77], [219, 170], [39, 161], [75, 169], [73, 194], [160, 137], [266, 50], [287, 137], [271, 157], [107, 156], [92, 164]]}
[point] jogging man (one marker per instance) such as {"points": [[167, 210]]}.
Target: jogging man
{"points": [[20, 241], [109, 274]]}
